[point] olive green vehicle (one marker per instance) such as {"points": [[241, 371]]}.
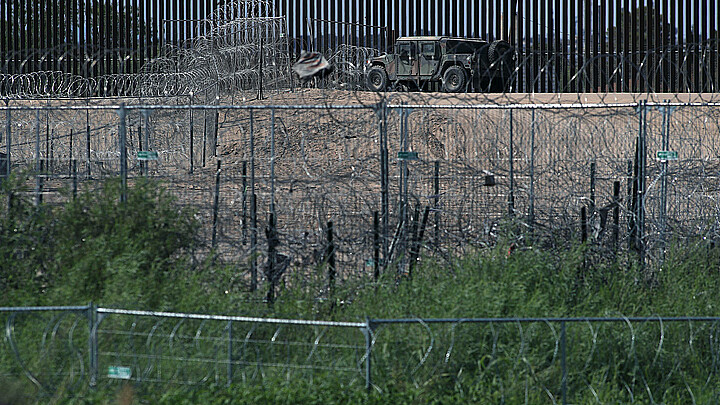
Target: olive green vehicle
{"points": [[443, 64]]}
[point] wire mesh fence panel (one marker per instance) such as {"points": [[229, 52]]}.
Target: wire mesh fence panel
{"points": [[191, 350], [521, 174], [559, 361], [46, 350]]}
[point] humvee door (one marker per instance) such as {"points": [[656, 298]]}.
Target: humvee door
{"points": [[429, 58]]}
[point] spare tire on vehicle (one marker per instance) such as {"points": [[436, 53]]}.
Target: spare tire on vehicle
{"points": [[501, 56]]}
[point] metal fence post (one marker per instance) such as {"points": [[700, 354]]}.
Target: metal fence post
{"points": [[367, 332], [8, 138], [531, 208], [146, 143], [663, 185], [272, 162], [253, 209], [563, 362], [93, 344], [230, 356], [511, 195], [216, 204], [385, 202], [87, 137], [38, 167], [123, 153], [642, 165], [192, 136]]}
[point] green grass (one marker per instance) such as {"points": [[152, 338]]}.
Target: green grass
{"points": [[137, 255]]}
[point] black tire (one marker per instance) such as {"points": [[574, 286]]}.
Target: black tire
{"points": [[501, 56], [454, 80], [376, 79]]}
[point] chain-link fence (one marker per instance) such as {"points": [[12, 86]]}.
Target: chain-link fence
{"points": [[390, 182], [518, 360]]}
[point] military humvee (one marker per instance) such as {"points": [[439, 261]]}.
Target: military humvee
{"points": [[443, 63]]}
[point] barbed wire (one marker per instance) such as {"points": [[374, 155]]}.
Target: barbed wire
{"points": [[57, 350], [227, 58]]}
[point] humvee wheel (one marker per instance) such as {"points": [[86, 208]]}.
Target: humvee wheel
{"points": [[377, 79], [454, 80]]}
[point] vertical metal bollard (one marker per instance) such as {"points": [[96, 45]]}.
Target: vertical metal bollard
{"points": [[563, 362], [123, 153], [216, 204]]}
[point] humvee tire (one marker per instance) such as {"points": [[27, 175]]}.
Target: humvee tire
{"points": [[454, 80], [377, 79]]}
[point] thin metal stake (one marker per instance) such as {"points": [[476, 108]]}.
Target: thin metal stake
{"points": [[8, 137], [272, 162], [511, 196], [216, 204], [87, 139], [123, 153], [253, 209], [192, 138], [531, 208], [38, 181]]}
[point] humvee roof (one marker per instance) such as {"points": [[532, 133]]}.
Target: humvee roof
{"points": [[437, 38]]}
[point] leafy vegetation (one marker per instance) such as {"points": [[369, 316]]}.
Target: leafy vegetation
{"points": [[139, 254]]}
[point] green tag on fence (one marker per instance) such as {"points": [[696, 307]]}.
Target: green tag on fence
{"points": [[407, 155], [147, 155], [667, 155], [122, 373]]}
